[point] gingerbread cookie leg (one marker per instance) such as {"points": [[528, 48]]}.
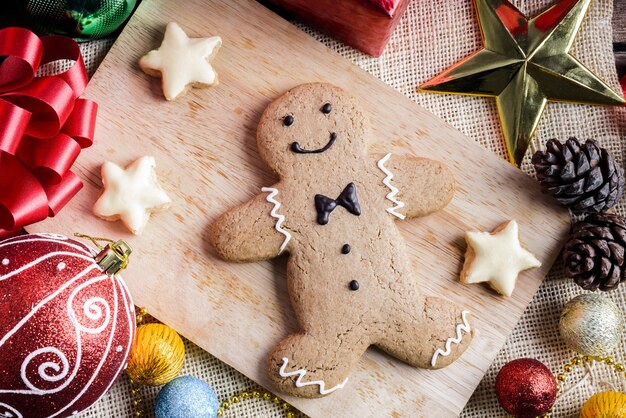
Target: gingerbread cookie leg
{"points": [[431, 336], [313, 366]]}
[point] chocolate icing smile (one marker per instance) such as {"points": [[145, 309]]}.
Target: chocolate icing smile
{"points": [[295, 147]]}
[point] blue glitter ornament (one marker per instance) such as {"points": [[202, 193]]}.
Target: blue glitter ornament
{"points": [[186, 397]]}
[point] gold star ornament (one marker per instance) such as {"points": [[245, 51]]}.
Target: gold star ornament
{"points": [[524, 64], [496, 258]]}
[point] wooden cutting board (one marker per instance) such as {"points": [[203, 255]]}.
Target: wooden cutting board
{"points": [[204, 144]]}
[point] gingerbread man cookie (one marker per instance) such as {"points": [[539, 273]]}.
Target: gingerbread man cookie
{"points": [[350, 278]]}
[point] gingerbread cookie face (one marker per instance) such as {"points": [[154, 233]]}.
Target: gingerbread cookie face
{"points": [[350, 280], [311, 124]]}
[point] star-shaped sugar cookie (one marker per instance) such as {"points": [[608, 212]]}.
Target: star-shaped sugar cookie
{"points": [[496, 258], [181, 61], [131, 194]]}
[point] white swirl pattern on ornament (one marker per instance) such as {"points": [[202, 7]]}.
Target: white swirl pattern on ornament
{"points": [[43, 258], [42, 303], [131, 322], [79, 349], [94, 308], [53, 236], [9, 410], [79, 327], [44, 367], [42, 238]]}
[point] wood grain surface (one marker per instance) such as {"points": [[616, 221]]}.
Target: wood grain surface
{"points": [[204, 144]]}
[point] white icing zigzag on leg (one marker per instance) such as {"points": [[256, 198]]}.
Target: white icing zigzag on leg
{"points": [[300, 373], [281, 218], [465, 326], [394, 190]]}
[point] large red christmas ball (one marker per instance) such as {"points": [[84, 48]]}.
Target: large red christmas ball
{"points": [[525, 388], [66, 328]]}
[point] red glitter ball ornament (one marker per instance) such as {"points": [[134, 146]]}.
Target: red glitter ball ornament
{"points": [[66, 327], [525, 388]]}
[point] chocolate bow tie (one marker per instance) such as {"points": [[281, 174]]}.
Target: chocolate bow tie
{"points": [[324, 205]]}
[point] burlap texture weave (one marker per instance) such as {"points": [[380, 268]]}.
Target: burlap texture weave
{"points": [[432, 36]]}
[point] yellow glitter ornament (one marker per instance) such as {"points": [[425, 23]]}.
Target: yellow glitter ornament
{"points": [[157, 356], [605, 405]]}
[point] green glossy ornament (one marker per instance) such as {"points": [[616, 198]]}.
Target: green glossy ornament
{"points": [[80, 19]]}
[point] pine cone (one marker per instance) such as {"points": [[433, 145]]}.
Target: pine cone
{"points": [[594, 253], [584, 178]]}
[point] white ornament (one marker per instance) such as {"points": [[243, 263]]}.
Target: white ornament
{"points": [[131, 194], [496, 258], [182, 61]]}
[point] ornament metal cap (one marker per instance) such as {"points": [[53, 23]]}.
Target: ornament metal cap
{"points": [[114, 257]]}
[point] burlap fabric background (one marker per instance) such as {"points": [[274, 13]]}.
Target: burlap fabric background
{"points": [[432, 36]]}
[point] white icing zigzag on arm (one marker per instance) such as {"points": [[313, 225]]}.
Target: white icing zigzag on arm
{"points": [[465, 326], [280, 218], [394, 190], [300, 373]]}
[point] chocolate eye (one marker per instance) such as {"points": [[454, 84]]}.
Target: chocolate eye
{"points": [[327, 108], [288, 120]]}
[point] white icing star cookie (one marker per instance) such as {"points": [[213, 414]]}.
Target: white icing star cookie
{"points": [[496, 258], [181, 61], [131, 194]]}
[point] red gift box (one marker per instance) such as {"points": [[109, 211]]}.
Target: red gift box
{"points": [[364, 24]]}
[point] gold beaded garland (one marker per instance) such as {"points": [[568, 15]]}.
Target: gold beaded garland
{"points": [[578, 361], [255, 394]]}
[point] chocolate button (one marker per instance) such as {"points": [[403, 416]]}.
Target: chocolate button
{"points": [[346, 249], [354, 285]]}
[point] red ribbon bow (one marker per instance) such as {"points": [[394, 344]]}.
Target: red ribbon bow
{"points": [[43, 127]]}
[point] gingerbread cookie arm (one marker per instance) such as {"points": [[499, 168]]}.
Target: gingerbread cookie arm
{"points": [[253, 231], [415, 186]]}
